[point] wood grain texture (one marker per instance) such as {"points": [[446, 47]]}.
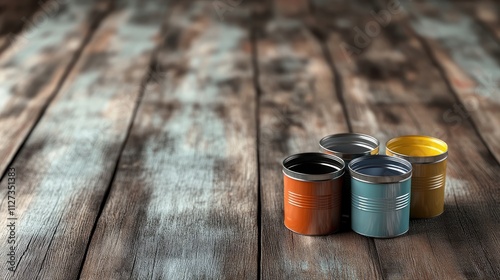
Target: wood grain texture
{"points": [[33, 68], [14, 15], [68, 161], [391, 88], [297, 107], [484, 12], [184, 201], [157, 154], [470, 61]]}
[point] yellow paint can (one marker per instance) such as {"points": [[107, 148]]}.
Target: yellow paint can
{"points": [[428, 156]]}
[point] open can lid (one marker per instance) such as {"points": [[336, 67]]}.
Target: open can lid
{"points": [[380, 169], [313, 167], [349, 146]]}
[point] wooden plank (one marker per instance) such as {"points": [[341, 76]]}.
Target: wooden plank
{"points": [[14, 15], [485, 12], [469, 59], [392, 88], [33, 68], [67, 163], [297, 107], [291, 8], [184, 201]]}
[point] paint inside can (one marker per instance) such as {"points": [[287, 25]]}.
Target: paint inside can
{"points": [[348, 146], [380, 198], [312, 193], [428, 155]]}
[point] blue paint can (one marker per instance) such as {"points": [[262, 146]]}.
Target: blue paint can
{"points": [[380, 198]]}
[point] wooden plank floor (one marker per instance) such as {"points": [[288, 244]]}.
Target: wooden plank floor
{"points": [[142, 139]]}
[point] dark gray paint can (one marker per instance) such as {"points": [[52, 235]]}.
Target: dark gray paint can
{"points": [[348, 146]]}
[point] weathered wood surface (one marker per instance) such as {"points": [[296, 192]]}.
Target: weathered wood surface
{"points": [[485, 12], [148, 135], [14, 15], [297, 107], [470, 61], [68, 161], [188, 174], [391, 88], [34, 66]]}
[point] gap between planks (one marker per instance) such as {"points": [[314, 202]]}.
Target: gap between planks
{"points": [[258, 93]]}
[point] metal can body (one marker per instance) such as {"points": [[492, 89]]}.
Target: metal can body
{"points": [[348, 146], [312, 193], [428, 156], [380, 199]]}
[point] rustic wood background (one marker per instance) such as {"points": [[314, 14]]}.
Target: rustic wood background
{"points": [[147, 135]]}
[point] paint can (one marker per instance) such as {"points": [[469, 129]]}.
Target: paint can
{"points": [[312, 193], [380, 199], [428, 155], [348, 146]]}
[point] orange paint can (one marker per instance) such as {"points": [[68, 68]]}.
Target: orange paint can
{"points": [[312, 193]]}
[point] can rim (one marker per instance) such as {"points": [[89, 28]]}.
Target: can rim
{"points": [[399, 164], [313, 157], [326, 143], [418, 159]]}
